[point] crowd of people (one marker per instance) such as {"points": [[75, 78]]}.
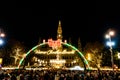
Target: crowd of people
{"points": [[21, 74]]}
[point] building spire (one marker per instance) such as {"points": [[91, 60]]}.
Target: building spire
{"points": [[79, 45], [59, 31]]}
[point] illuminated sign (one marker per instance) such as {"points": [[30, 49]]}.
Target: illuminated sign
{"points": [[54, 44]]}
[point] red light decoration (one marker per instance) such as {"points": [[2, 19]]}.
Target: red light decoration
{"points": [[54, 44]]}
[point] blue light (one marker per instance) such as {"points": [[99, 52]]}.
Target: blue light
{"points": [[110, 43], [1, 42]]}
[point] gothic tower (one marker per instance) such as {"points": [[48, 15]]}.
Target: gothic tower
{"points": [[79, 45], [59, 31], [59, 34]]}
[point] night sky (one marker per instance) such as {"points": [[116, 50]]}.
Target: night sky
{"points": [[27, 22]]}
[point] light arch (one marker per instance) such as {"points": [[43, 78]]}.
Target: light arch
{"points": [[66, 44]]}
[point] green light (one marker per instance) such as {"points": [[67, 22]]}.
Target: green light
{"points": [[85, 61], [21, 61], [81, 55]]}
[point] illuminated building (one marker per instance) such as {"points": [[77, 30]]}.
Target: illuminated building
{"points": [[55, 55]]}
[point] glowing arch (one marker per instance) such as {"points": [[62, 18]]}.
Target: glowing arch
{"points": [[81, 55]]}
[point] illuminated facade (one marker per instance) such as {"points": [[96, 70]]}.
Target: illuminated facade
{"points": [[55, 55]]}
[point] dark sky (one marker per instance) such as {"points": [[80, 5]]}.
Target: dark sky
{"points": [[27, 22]]}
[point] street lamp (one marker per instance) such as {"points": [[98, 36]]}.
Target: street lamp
{"points": [[2, 35], [110, 44]]}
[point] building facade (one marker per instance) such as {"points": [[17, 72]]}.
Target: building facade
{"points": [[55, 55]]}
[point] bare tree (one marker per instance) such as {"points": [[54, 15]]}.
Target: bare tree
{"points": [[95, 50], [17, 51]]}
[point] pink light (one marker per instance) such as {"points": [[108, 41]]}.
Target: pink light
{"points": [[54, 43]]}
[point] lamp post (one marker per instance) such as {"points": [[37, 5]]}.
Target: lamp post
{"points": [[108, 36], [2, 35]]}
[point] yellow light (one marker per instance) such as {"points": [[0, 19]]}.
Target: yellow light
{"points": [[44, 41], [89, 56], [2, 35], [55, 52], [59, 35], [111, 33], [65, 41], [0, 60], [57, 61], [107, 36], [118, 55]]}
